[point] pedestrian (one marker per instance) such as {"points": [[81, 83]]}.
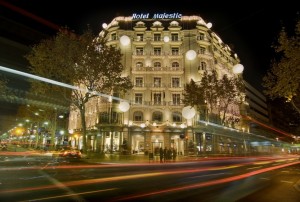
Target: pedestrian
{"points": [[165, 154], [174, 154], [161, 154]]}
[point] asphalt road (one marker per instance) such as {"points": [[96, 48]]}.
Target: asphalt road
{"points": [[43, 178]]}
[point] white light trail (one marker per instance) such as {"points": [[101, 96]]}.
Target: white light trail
{"points": [[39, 78]]}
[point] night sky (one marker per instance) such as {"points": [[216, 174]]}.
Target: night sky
{"points": [[249, 28]]}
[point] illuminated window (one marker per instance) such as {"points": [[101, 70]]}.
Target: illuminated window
{"points": [[176, 99], [157, 82], [157, 51], [139, 64], [139, 51], [139, 81], [157, 64], [175, 64], [202, 66], [157, 98], [139, 98], [113, 36], [175, 82], [175, 51], [138, 116], [174, 37], [139, 37], [176, 116], [157, 116], [202, 50], [156, 37], [201, 36]]}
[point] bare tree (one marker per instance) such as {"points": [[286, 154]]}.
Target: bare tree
{"points": [[84, 61]]}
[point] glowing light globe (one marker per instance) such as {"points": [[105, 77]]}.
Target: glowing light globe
{"points": [[209, 25], [125, 40], [166, 39], [191, 55], [238, 68], [124, 106], [188, 112], [104, 25]]}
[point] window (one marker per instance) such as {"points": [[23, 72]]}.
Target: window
{"points": [[175, 82], [174, 37], [157, 116], [157, 64], [138, 116], [139, 37], [157, 98], [139, 64], [139, 81], [103, 117], [138, 98], [157, 82], [113, 36], [157, 51], [176, 99], [175, 64], [176, 117], [139, 51], [202, 50], [201, 36], [202, 66], [156, 37], [175, 51]]}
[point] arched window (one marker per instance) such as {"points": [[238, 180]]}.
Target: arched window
{"points": [[157, 116], [139, 64], [176, 117], [157, 64], [175, 64], [138, 116]]}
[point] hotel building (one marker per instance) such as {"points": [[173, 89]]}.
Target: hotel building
{"points": [[162, 53]]}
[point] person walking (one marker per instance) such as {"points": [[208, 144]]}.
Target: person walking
{"points": [[165, 154], [161, 154]]}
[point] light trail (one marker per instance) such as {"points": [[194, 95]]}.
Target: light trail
{"points": [[71, 195], [204, 184], [133, 176], [30, 15], [39, 78]]}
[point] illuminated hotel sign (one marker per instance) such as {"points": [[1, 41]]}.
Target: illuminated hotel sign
{"points": [[143, 16]]}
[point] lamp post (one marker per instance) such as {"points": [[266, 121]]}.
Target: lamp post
{"points": [[245, 144], [124, 106], [188, 113]]}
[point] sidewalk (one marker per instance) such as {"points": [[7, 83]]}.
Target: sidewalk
{"points": [[135, 158]]}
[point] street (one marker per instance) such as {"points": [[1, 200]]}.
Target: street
{"points": [[43, 178]]}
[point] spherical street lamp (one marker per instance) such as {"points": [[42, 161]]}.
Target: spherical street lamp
{"points": [[188, 112], [191, 55], [238, 68], [124, 106], [209, 25], [125, 40], [104, 25], [166, 39]]}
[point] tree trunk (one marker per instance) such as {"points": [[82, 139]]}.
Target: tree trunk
{"points": [[53, 130], [83, 125]]}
